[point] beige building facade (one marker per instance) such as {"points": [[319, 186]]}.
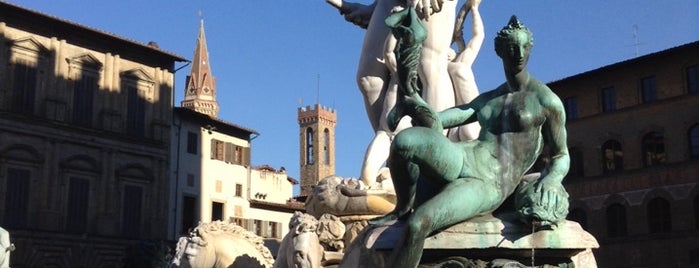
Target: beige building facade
{"points": [[633, 135], [84, 140], [212, 175]]}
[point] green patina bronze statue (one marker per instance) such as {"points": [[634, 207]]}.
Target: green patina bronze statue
{"points": [[440, 183]]}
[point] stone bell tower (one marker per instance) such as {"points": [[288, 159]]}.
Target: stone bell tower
{"points": [[316, 144]]}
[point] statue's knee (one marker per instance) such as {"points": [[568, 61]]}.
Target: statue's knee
{"points": [[418, 225], [404, 140], [369, 84]]}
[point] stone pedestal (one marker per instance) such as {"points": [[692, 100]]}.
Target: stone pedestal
{"points": [[485, 241]]}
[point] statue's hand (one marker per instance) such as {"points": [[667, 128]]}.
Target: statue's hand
{"points": [[395, 115], [357, 14], [549, 190], [423, 115], [425, 8]]}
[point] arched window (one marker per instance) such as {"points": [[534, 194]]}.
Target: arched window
{"points": [[326, 147], [309, 146], [653, 149], [616, 220], [576, 163], [659, 217], [612, 156], [694, 141], [578, 215]]}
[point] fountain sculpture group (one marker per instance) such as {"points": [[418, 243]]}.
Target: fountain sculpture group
{"points": [[469, 180]]}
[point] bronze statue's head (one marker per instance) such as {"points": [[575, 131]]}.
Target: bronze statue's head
{"points": [[513, 44]]}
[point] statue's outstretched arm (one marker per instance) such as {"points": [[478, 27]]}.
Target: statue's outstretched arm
{"points": [[468, 52], [356, 13]]}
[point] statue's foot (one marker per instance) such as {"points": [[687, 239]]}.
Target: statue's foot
{"points": [[383, 219], [387, 218]]}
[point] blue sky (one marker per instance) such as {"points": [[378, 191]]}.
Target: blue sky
{"points": [[267, 55]]}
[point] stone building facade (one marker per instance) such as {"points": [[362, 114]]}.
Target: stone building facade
{"points": [[316, 145], [84, 132], [633, 135]]}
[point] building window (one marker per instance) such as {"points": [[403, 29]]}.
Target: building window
{"points": [[237, 221], [16, 198], [192, 143], [84, 89], [132, 208], [694, 141], [78, 196], [653, 149], [217, 149], [219, 186], [24, 89], [239, 155], [257, 227], [273, 229], [578, 215], [216, 211], [309, 146], [608, 99], [230, 153], [577, 165], [693, 79], [659, 217], [190, 180], [189, 217], [326, 147], [616, 220], [238, 190], [135, 111], [613, 157], [571, 108], [649, 89], [238, 212]]}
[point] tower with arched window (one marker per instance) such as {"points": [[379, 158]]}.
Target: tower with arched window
{"points": [[316, 144]]}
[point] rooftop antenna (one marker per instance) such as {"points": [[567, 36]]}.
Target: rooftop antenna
{"points": [[318, 90], [635, 38]]}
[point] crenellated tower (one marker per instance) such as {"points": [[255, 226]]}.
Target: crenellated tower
{"points": [[200, 88], [317, 145]]}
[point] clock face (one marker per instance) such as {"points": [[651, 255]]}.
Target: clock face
{"points": [[191, 90], [206, 90]]}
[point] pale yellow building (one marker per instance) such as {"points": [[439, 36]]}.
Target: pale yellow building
{"points": [[212, 178]]}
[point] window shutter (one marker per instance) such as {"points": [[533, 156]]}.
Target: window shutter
{"points": [[229, 152], [219, 150], [246, 156], [213, 148]]}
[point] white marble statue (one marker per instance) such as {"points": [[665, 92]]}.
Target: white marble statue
{"points": [[460, 71], [437, 70], [301, 247], [221, 245], [5, 248]]}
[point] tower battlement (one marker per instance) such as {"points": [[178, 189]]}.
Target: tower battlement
{"points": [[317, 145], [310, 114]]}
